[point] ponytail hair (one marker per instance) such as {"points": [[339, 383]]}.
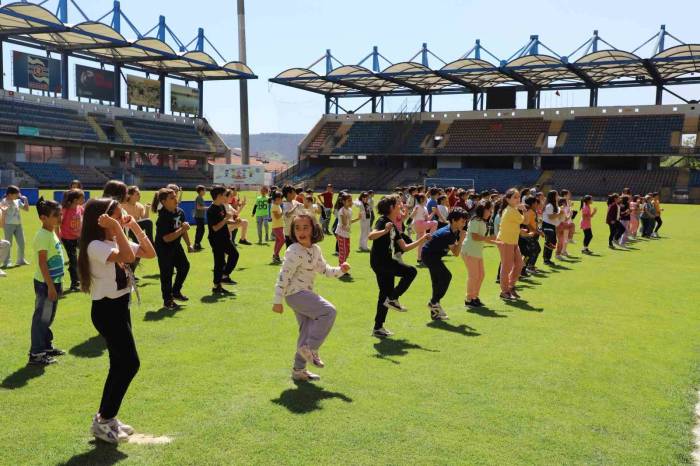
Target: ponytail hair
{"points": [[47, 207]]}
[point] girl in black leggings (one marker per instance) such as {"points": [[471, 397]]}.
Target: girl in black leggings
{"points": [[105, 273]]}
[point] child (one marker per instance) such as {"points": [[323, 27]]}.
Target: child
{"points": [[563, 229], [508, 233], [448, 238], [5, 245], [47, 283], [220, 240], [260, 210], [71, 224], [170, 227], [103, 262], [200, 210], [326, 199], [311, 208], [529, 242], [342, 231], [13, 202], [239, 222], [552, 216], [421, 221], [385, 267], [613, 219], [365, 220], [657, 218], [290, 208], [302, 261], [277, 226], [625, 215], [472, 248], [648, 216], [634, 216], [442, 210], [587, 213]]}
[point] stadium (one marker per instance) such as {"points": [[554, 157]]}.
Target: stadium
{"points": [[596, 363]]}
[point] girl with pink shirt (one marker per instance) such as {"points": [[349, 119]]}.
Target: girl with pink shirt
{"points": [[421, 220], [69, 231], [587, 213], [634, 216]]}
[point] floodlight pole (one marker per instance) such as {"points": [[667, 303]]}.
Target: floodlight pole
{"points": [[245, 136]]}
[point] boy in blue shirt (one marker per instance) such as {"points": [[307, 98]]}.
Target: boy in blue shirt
{"points": [[448, 238]]}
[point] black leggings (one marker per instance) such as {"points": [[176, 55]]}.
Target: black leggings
{"points": [[550, 240], [71, 247], [659, 222], [440, 277], [616, 231], [200, 232], [385, 280], [587, 237], [111, 317], [169, 261], [222, 264]]}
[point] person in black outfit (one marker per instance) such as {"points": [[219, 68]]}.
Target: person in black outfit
{"points": [[448, 238], [220, 240], [200, 209], [170, 227], [385, 266]]}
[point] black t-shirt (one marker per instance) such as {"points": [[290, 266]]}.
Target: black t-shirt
{"points": [[380, 255], [167, 223], [215, 214]]}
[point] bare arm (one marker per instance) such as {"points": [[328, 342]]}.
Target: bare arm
{"points": [[146, 249], [44, 268]]}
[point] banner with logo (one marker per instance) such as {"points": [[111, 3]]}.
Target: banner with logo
{"points": [[35, 72], [184, 99], [239, 175], [94, 83], [143, 92]]}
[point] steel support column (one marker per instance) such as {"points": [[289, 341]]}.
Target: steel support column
{"points": [[117, 86], [328, 104], [2, 68], [659, 95], [532, 98], [64, 75], [200, 86], [245, 133], [161, 105], [593, 97]]}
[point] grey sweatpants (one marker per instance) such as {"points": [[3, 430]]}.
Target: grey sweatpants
{"points": [[315, 316], [260, 222], [16, 232]]}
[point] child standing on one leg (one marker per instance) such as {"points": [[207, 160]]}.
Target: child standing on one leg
{"points": [[295, 283], [47, 283], [587, 213], [104, 265], [385, 266], [472, 252], [507, 241], [170, 227], [448, 238], [71, 224], [13, 202]]}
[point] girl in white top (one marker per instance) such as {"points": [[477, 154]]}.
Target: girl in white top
{"points": [[365, 215], [103, 264], [342, 231], [295, 284], [421, 220]]}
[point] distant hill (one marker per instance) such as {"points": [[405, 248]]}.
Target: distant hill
{"points": [[280, 146]]}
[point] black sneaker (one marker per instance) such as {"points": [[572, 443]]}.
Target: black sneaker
{"points": [[245, 241], [218, 289], [74, 288], [470, 303], [180, 297], [477, 302], [198, 247], [228, 281], [170, 304], [41, 359], [55, 352], [548, 262]]}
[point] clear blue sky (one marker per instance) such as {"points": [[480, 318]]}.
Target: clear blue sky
{"points": [[284, 33]]}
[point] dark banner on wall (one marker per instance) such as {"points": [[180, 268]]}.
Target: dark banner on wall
{"points": [[142, 91], [184, 99], [34, 72], [94, 83], [500, 98]]}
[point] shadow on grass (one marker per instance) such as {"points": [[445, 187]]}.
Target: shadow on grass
{"points": [[154, 276], [388, 347], [162, 313], [558, 267], [463, 329], [484, 311], [21, 376], [103, 454], [215, 298], [522, 305], [93, 347], [306, 397]]}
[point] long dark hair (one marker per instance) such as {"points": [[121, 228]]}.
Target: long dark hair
{"points": [[552, 199], [116, 190], [71, 196], [90, 232], [585, 200]]}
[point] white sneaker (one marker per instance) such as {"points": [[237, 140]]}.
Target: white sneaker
{"points": [[437, 312], [394, 304], [2, 273], [310, 356], [22, 262], [302, 375], [382, 333], [559, 257], [126, 428], [572, 241], [108, 431]]}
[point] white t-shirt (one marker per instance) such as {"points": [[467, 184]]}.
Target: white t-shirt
{"points": [[547, 216], [299, 269], [290, 209], [107, 282], [340, 230], [12, 216], [443, 210], [421, 213]]}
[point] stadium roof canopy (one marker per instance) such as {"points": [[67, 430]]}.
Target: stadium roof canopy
{"points": [[529, 69], [33, 25]]}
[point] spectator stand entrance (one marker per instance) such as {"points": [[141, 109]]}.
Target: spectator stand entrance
{"points": [[107, 138]]}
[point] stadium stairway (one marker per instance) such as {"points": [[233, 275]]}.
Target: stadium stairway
{"points": [[544, 180], [121, 132], [101, 135]]}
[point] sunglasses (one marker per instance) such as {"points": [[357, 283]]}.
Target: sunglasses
{"points": [[111, 207]]}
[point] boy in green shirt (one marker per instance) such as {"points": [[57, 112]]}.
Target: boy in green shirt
{"points": [[262, 213], [47, 283]]}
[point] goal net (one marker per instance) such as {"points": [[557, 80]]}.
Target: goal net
{"points": [[465, 183]]}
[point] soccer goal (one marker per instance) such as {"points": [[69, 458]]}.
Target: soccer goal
{"points": [[465, 183]]}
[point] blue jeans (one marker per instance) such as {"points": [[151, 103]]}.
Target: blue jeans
{"points": [[17, 232], [44, 313]]}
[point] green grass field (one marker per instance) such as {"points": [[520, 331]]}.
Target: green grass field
{"points": [[600, 366]]}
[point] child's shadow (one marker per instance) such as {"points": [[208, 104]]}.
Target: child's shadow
{"points": [[21, 376], [389, 347], [463, 329], [161, 313], [102, 453], [484, 311], [524, 306], [93, 347], [306, 397]]}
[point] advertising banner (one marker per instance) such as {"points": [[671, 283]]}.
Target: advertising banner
{"points": [[239, 175], [94, 83], [34, 72], [142, 91], [184, 99]]}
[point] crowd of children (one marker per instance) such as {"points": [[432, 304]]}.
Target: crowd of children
{"points": [[94, 238]]}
